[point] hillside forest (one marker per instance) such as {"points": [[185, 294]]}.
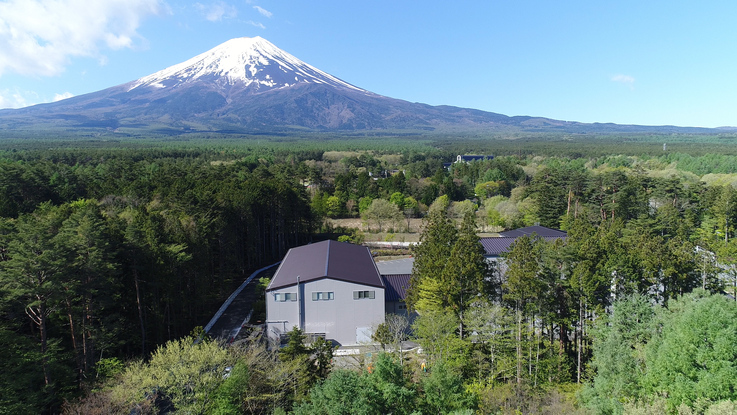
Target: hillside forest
{"points": [[113, 255]]}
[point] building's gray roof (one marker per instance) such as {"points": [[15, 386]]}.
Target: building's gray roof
{"points": [[396, 266], [396, 286], [539, 230], [496, 246], [328, 259], [475, 157]]}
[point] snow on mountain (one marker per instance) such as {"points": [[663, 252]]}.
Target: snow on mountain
{"points": [[249, 86], [253, 62]]}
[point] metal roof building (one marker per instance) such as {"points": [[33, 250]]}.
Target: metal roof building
{"points": [[329, 289], [328, 259], [538, 230], [396, 286], [495, 247]]}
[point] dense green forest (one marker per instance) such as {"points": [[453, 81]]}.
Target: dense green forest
{"points": [[113, 252]]}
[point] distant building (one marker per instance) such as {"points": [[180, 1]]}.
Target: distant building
{"points": [[496, 246], [468, 158]]}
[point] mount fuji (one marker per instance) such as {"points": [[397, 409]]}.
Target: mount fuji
{"points": [[249, 86]]}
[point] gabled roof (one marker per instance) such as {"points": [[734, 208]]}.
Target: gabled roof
{"points": [[328, 259], [496, 246], [396, 286], [539, 230]]}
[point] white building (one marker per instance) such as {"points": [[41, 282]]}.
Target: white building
{"points": [[329, 289]]}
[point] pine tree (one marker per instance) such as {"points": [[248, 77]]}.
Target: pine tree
{"points": [[466, 270], [523, 286], [35, 272], [431, 256]]}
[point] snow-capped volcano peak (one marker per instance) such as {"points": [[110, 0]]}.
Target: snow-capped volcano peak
{"points": [[253, 62]]}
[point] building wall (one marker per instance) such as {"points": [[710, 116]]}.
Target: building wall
{"points": [[338, 318], [400, 308]]}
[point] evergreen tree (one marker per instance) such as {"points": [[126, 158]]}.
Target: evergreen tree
{"points": [[618, 354], [444, 391], [431, 256], [523, 287], [694, 356], [36, 271], [465, 271]]}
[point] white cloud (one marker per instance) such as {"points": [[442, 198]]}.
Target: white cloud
{"points": [[624, 79], [263, 11], [59, 97], [38, 37], [17, 99], [217, 11], [257, 24]]}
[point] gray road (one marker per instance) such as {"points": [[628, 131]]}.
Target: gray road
{"points": [[228, 324]]}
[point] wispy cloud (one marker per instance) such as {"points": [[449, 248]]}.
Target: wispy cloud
{"points": [[65, 95], [217, 11], [17, 99], [624, 79], [257, 24], [263, 11], [39, 37]]}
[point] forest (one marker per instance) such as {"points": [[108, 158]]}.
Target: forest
{"points": [[113, 253]]}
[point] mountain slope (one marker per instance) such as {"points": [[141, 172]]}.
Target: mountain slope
{"points": [[248, 85]]}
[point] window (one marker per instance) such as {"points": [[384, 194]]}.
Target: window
{"points": [[358, 295], [402, 306], [285, 297], [324, 295]]}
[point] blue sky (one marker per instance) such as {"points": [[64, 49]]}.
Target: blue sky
{"points": [[629, 62]]}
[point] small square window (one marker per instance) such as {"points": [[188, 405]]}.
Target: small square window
{"points": [[322, 295], [357, 295], [285, 297]]}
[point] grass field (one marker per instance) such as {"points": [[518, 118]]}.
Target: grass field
{"points": [[371, 235]]}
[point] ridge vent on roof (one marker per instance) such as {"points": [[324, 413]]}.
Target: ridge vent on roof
{"points": [[327, 258]]}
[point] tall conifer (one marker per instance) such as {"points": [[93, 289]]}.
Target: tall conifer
{"points": [[431, 256]]}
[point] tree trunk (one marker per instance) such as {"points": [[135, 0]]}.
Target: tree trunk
{"points": [[39, 319], [140, 310], [77, 355], [87, 351], [578, 341], [519, 346]]}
